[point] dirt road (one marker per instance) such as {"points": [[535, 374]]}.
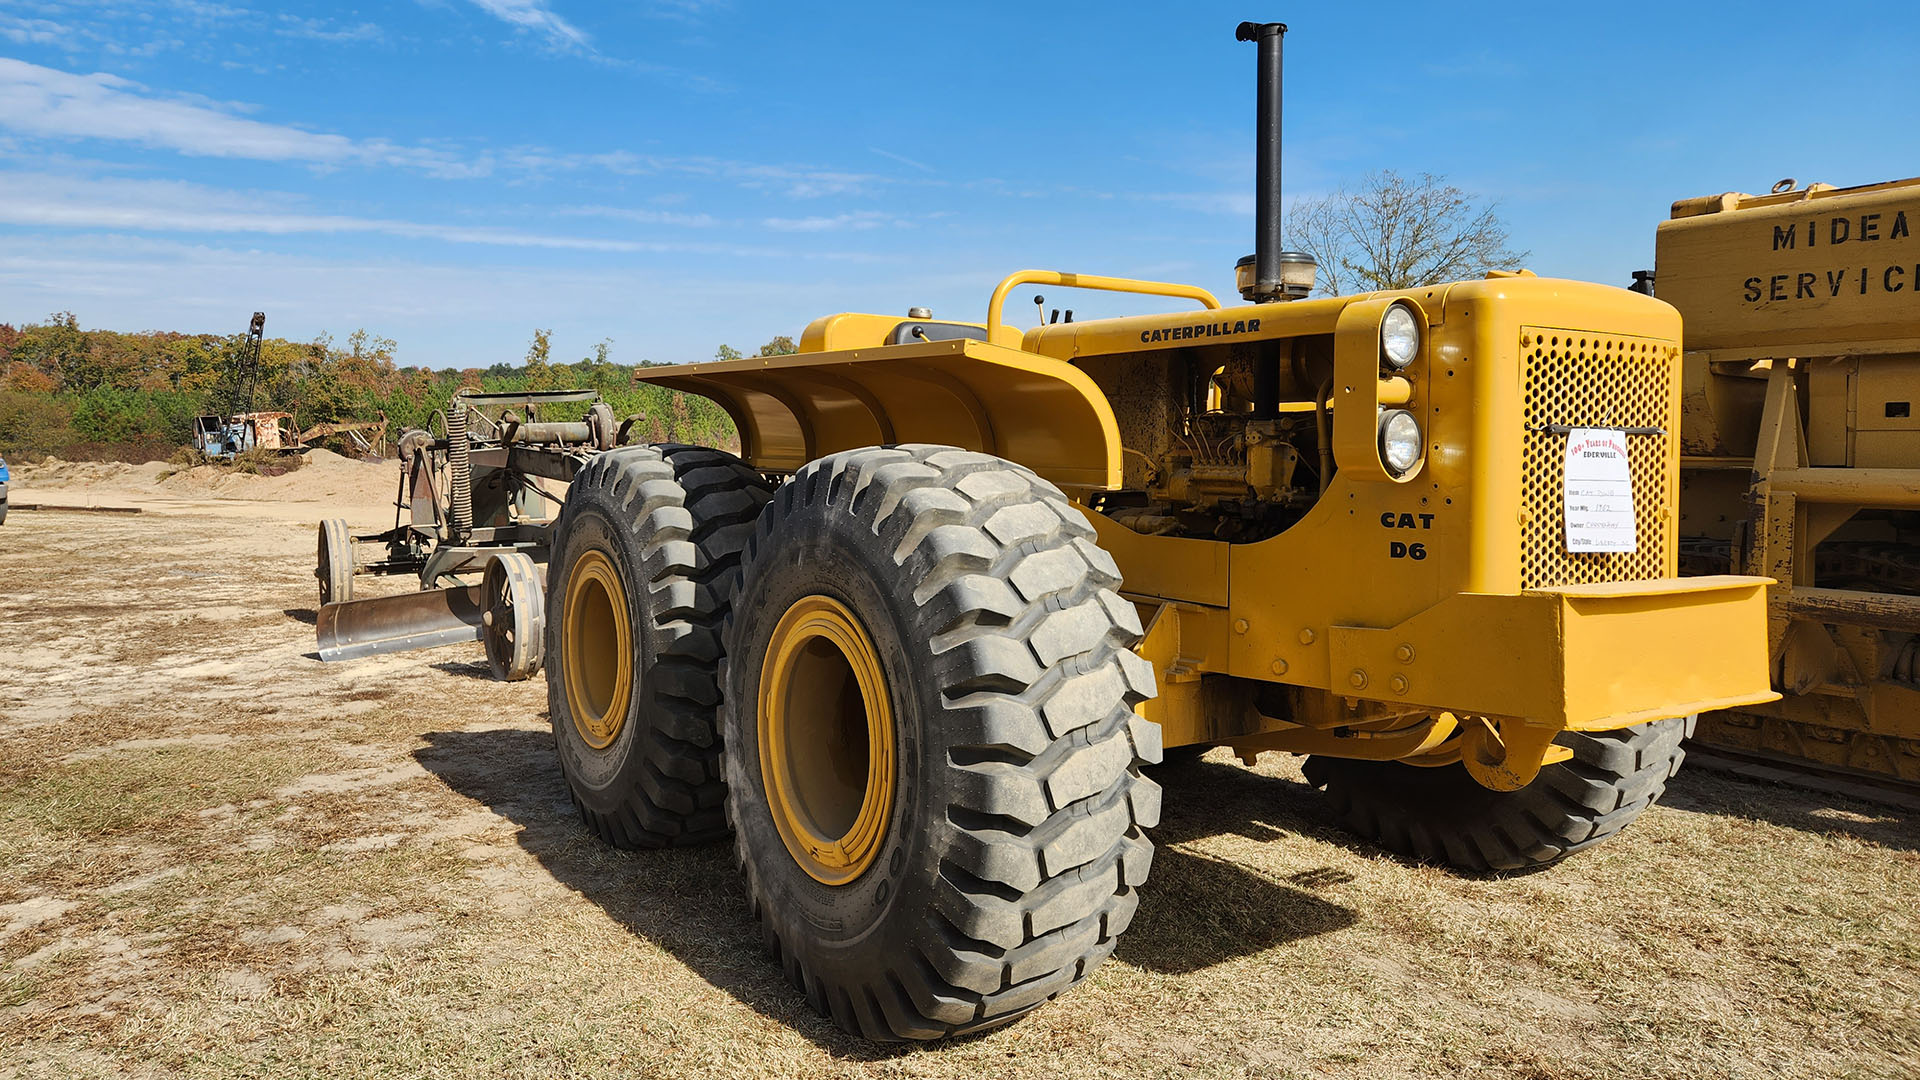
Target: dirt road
{"points": [[220, 857]]}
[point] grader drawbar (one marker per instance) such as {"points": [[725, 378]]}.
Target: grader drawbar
{"points": [[916, 644], [470, 503]]}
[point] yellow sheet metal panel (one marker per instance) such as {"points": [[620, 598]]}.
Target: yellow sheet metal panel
{"points": [[1470, 653], [792, 409], [1595, 656], [1886, 401], [1693, 645], [1459, 526], [1803, 273], [1830, 418], [1176, 330], [1167, 567], [1182, 641]]}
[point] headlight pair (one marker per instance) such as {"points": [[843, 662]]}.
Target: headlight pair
{"points": [[1401, 440]]}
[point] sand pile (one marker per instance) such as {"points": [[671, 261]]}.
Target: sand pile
{"points": [[56, 474], [327, 478]]}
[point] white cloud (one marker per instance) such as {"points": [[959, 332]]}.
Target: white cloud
{"points": [[535, 17], [858, 219], [24, 31], [794, 181], [42, 200], [294, 26], [49, 103], [643, 217], [145, 28], [922, 166]]}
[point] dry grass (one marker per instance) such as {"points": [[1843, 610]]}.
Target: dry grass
{"points": [[219, 858]]}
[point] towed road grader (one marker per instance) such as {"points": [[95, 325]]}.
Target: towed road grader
{"points": [[914, 645], [470, 502]]}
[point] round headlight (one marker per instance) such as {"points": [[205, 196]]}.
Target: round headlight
{"points": [[1399, 440], [1399, 335]]}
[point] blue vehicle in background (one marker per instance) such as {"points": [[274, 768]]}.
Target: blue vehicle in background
{"points": [[3, 491]]}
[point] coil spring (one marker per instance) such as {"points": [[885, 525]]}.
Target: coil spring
{"points": [[459, 470]]}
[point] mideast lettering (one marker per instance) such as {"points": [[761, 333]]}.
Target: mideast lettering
{"points": [[1831, 282]]}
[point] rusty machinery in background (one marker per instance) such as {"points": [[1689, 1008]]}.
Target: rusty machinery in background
{"points": [[1801, 446], [471, 502], [239, 428], [225, 435]]}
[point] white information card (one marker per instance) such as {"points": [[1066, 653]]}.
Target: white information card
{"points": [[1599, 491]]}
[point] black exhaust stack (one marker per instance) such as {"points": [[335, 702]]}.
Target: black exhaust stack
{"points": [[1276, 274]]}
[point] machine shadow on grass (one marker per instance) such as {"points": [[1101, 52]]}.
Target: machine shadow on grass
{"points": [[465, 669], [1699, 790], [1197, 910]]}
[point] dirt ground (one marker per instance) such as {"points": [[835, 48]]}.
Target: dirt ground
{"points": [[220, 857]]}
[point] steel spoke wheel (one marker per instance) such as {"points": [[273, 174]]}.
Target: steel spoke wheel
{"points": [[334, 567], [514, 623]]}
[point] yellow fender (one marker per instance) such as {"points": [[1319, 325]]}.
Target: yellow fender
{"points": [[845, 389]]}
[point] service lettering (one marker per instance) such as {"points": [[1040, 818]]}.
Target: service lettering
{"points": [[1832, 281]]}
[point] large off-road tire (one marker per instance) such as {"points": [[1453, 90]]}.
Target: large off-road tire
{"points": [[644, 559], [1442, 815], [932, 756], [334, 565]]}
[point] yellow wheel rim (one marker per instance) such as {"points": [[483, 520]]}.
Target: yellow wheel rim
{"points": [[826, 740], [597, 658]]}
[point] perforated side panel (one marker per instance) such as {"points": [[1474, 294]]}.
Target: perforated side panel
{"points": [[1582, 379]]}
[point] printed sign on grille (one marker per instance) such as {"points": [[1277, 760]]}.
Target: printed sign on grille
{"points": [[1598, 495], [1575, 379]]}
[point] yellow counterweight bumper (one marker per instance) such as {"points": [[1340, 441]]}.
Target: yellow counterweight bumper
{"points": [[1585, 657]]}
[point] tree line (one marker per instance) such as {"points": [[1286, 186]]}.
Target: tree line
{"points": [[103, 394]]}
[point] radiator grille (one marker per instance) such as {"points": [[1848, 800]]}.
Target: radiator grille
{"points": [[1581, 379]]}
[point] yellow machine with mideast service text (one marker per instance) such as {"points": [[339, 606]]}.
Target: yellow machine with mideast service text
{"points": [[1800, 459], [916, 643]]}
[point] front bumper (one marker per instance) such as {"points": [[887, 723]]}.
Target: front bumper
{"points": [[1587, 657]]}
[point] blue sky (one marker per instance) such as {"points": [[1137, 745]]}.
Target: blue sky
{"points": [[671, 174]]}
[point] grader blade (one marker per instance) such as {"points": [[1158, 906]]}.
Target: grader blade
{"points": [[385, 624]]}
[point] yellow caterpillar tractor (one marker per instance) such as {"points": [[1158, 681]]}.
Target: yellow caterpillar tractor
{"points": [[914, 646], [1801, 457]]}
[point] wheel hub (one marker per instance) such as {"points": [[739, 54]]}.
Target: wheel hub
{"points": [[597, 650], [826, 740]]}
